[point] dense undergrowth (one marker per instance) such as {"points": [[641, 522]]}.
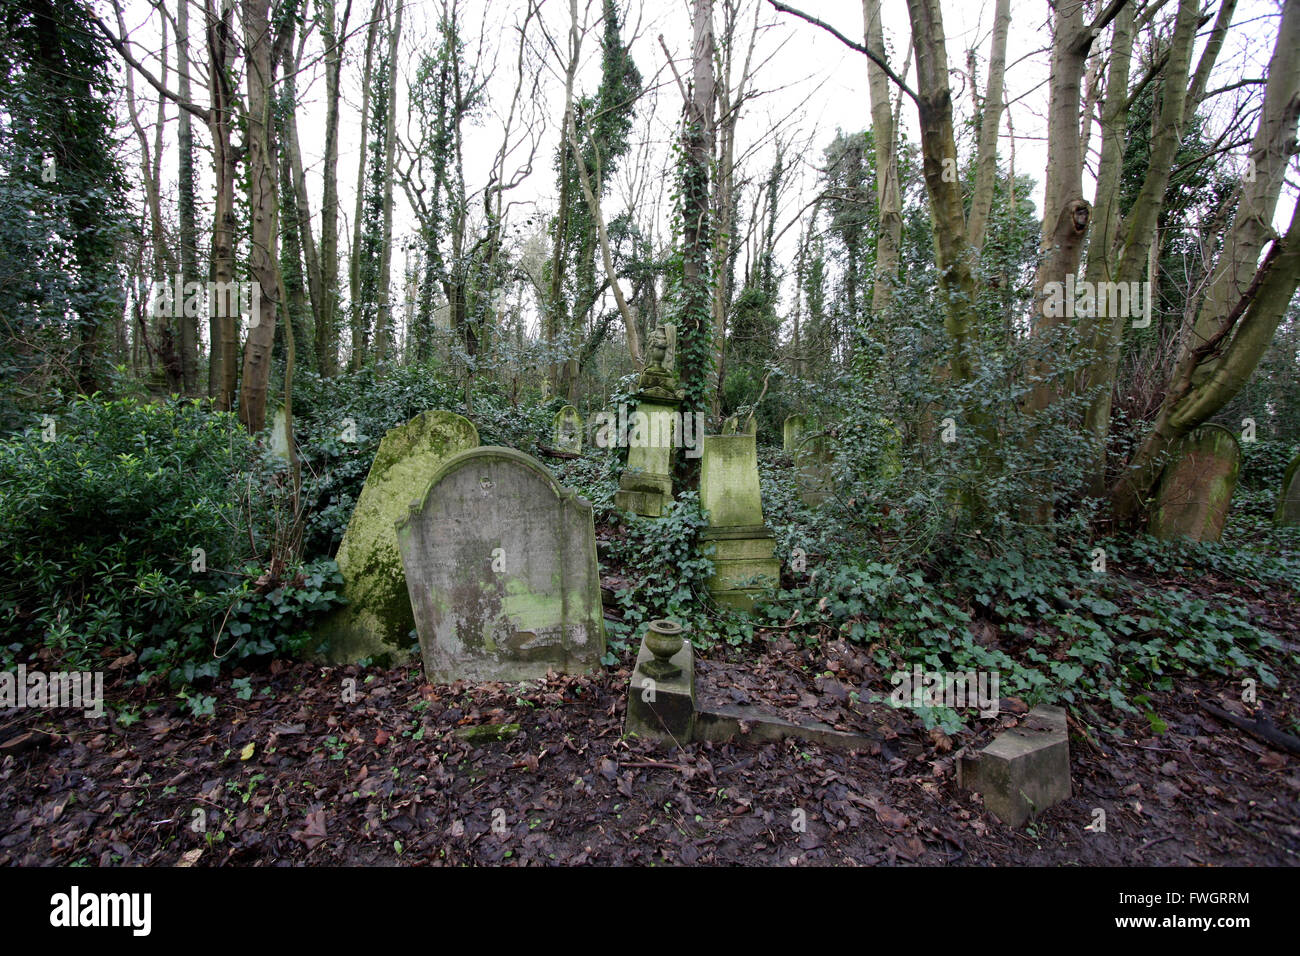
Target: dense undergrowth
{"points": [[165, 532]]}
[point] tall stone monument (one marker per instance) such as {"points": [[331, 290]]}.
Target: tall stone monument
{"points": [[378, 619], [743, 561], [1195, 489], [646, 485], [501, 571]]}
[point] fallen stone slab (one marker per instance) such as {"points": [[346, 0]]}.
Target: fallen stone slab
{"points": [[722, 723], [1025, 770]]}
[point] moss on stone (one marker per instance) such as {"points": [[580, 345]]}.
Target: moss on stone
{"points": [[378, 618]]}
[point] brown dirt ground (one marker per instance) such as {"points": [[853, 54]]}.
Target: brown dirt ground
{"points": [[296, 774]]}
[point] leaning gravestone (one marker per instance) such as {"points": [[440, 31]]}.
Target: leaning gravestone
{"points": [[501, 571], [377, 618], [1195, 489], [743, 560], [1288, 504], [567, 433]]}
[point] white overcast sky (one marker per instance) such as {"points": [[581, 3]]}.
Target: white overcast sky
{"points": [[808, 83]]}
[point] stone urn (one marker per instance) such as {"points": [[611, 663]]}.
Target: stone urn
{"points": [[663, 639]]}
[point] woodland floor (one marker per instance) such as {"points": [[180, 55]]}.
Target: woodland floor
{"points": [[296, 775]]}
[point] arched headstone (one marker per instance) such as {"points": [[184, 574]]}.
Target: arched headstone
{"points": [[1195, 489], [377, 618], [501, 571]]}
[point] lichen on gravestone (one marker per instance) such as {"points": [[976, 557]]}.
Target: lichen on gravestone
{"points": [[377, 619]]}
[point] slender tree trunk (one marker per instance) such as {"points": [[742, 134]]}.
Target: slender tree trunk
{"points": [[185, 201], [990, 121], [327, 339], [223, 370], [889, 236], [263, 213], [359, 332], [384, 324]]}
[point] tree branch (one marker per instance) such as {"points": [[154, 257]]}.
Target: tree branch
{"points": [[878, 60]]}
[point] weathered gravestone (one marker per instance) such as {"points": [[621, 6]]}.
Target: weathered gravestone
{"points": [[814, 468], [735, 425], [567, 434], [792, 432], [646, 485], [743, 560], [1288, 503], [1195, 489], [501, 571], [378, 619], [280, 436]]}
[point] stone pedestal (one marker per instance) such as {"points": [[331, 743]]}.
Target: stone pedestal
{"points": [[743, 559], [663, 709], [744, 564], [1024, 770]]}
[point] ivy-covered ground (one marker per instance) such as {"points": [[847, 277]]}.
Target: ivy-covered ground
{"points": [[298, 763], [221, 745]]}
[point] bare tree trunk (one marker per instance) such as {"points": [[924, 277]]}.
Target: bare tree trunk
{"points": [[889, 235], [223, 369], [990, 121], [327, 341], [384, 321], [263, 213]]}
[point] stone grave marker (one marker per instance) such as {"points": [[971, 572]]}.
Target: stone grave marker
{"points": [[646, 485], [1288, 504], [377, 619], [744, 562], [792, 432], [567, 433], [735, 425], [1195, 489], [501, 571], [280, 436]]}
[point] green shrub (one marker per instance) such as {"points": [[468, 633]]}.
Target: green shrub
{"points": [[98, 531]]}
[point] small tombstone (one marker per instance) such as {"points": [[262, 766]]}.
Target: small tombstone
{"points": [[378, 618], [1195, 489], [568, 430], [814, 467], [501, 571], [280, 436], [1288, 504], [744, 562], [792, 432], [736, 426]]}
